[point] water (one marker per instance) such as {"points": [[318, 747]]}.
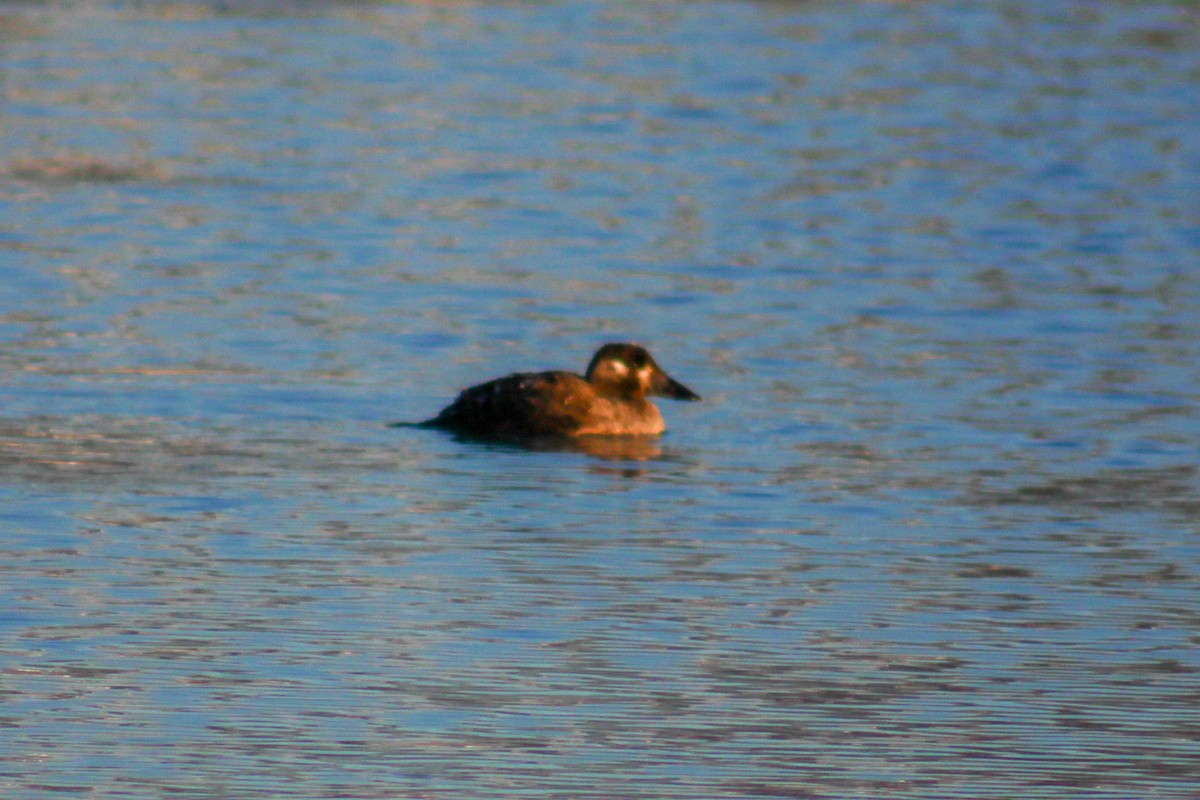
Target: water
{"points": [[933, 534]]}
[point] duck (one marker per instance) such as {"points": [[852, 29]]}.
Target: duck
{"points": [[611, 398]]}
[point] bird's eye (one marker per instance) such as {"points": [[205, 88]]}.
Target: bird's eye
{"points": [[638, 359]]}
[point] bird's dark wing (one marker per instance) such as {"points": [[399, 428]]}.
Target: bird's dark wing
{"points": [[524, 404]]}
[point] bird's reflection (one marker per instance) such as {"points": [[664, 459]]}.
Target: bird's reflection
{"points": [[608, 448]]}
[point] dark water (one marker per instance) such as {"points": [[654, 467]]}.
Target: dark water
{"points": [[934, 266]]}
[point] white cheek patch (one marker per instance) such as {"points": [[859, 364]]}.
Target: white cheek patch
{"points": [[644, 375], [618, 369]]}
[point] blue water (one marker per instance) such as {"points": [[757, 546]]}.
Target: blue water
{"points": [[934, 267]]}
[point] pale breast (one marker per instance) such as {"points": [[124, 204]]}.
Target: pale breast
{"points": [[622, 418]]}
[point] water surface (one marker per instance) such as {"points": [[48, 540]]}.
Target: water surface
{"points": [[932, 534]]}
